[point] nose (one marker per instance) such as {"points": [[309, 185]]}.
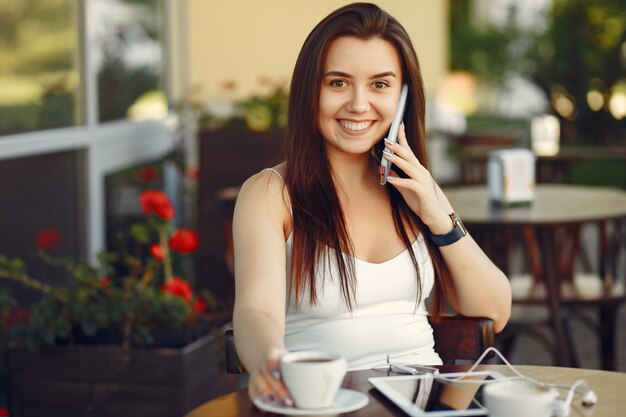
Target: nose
{"points": [[359, 101]]}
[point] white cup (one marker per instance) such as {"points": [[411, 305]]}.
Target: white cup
{"points": [[313, 378], [518, 398]]}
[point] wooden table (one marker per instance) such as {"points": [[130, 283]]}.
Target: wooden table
{"points": [[609, 386], [556, 210]]}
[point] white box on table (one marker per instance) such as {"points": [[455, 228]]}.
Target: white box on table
{"points": [[511, 176]]}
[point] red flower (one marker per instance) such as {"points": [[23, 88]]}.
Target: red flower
{"points": [[156, 202], [157, 252], [149, 199], [147, 174], [184, 241], [165, 211], [179, 288], [105, 281], [4, 412], [49, 238], [199, 306]]}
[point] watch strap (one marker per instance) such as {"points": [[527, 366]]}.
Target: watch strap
{"points": [[457, 232]]}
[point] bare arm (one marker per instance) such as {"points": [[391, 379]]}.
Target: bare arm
{"points": [[260, 281], [479, 287]]}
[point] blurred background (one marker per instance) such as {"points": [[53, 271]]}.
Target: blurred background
{"points": [[102, 99]]}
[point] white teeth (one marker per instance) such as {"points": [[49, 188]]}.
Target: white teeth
{"points": [[355, 126]]}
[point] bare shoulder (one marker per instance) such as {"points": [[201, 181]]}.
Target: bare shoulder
{"points": [[267, 184], [264, 196]]}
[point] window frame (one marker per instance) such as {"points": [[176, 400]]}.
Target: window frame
{"points": [[110, 146]]}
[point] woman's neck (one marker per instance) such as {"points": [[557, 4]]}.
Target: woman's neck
{"points": [[353, 172]]}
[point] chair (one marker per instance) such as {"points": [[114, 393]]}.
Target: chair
{"points": [[600, 292], [456, 338]]}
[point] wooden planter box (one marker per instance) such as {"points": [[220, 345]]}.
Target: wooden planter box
{"points": [[104, 381]]}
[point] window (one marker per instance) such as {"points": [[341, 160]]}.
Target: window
{"points": [[40, 83], [127, 39], [79, 77], [41, 70]]}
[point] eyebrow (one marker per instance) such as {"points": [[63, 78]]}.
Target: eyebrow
{"points": [[346, 75]]}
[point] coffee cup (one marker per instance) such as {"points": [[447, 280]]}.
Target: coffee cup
{"points": [[313, 378], [519, 398]]}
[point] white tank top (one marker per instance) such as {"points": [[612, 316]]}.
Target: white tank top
{"points": [[385, 319]]}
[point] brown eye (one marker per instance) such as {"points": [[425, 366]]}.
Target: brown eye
{"points": [[380, 84], [338, 83]]}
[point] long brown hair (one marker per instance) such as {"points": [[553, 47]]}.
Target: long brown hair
{"points": [[318, 219]]}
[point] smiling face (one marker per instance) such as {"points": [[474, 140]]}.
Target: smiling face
{"points": [[359, 94]]}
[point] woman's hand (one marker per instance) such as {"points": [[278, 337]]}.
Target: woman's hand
{"points": [[420, 191], [266, 381], [480, 289]]}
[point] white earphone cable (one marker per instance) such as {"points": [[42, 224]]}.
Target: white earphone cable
{"points": [[571, 390]]}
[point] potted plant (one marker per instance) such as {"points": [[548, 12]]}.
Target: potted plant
{"points": [[129, 337]]}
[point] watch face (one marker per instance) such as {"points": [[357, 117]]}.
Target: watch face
{"points": [[458, 223], [461, 226]]}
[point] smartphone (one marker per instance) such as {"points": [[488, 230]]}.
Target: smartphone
{"points": [[392, 136]]}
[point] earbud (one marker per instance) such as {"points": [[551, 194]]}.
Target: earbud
{"points": [[589, 398]]}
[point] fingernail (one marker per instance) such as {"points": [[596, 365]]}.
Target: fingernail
{"points": [[402, 125], [288, 402], [388, 142], [390, 178], [388, 152], [276, 374]]}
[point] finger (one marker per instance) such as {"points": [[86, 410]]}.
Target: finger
{"points": [[403, 184], [397, 147], [270, 388], [258, 387], [402, 140], [404, 153], [410, 169], [274, 381], [274, 377], [407, 188], [403, 149]]}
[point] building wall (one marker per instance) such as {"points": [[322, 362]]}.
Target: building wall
{"points": [[244, 41]]}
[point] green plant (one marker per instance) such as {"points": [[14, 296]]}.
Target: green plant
{"points": [[259, 112], [126, 307], [263, 112], [582, 51], [576, 60]]}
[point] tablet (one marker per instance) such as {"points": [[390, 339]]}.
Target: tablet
{"points": [[433, 396]]}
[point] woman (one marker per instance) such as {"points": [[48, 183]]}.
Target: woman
{"points": [[325, 257]]}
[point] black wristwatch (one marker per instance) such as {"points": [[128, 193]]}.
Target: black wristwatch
{"points": [[449, 238]]}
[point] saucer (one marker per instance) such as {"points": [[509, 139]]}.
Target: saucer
{"points": [[346, 400]]}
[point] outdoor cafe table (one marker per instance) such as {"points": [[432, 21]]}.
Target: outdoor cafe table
{"points": [[556, 207], [609, 387]]}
